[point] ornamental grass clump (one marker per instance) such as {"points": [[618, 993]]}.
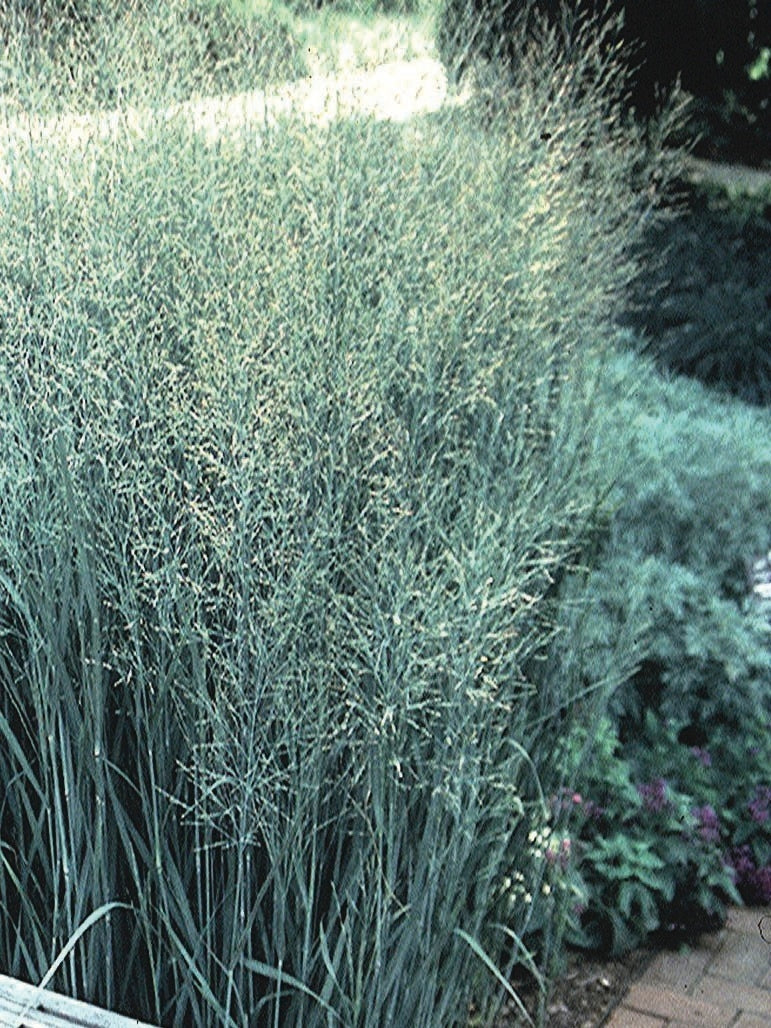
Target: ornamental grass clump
{"points": [[297, 434], [65, 55]]}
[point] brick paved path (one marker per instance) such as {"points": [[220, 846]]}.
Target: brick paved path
{"points": [[724, 981]]}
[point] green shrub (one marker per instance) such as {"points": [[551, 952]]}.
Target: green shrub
{"points": [[691, 484], [700, 319], [673, 796], [703, 764], [695, 507], [645, 858], [663, 831]]}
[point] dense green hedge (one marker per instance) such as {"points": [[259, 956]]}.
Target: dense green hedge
{"points": [[698, 314]]}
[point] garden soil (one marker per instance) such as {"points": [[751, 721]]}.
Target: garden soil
{"points": [[584, 995]]}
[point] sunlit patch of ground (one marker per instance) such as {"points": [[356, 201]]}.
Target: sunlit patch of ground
{"points": [[341, 42]]}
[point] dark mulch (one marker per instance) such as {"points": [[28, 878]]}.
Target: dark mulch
{"points": [[584, 995]]}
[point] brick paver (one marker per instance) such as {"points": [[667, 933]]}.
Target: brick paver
{"points": [[721, 980], [746, 919], [678, 968], [742, 961], [736, 995], [678, 1005], [625, 1018]]}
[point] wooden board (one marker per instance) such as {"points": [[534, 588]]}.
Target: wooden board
{"points": [[50, 1010]]}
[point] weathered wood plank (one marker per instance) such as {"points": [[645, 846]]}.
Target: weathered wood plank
{"points": [[51, 1010]]}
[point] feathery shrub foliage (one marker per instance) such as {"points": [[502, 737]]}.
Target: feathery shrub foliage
{"points": [[694, 510], [669, 800], [298, 444]]}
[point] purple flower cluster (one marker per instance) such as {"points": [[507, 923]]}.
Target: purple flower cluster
{"points": [[753, 882], [709, 823], [560, 855], [593, 810], [742, 862], [703, 756], [654, 795], [760, 803], [568, 799]]}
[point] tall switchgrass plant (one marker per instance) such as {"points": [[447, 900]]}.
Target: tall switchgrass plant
{"points": [[297, 437]]}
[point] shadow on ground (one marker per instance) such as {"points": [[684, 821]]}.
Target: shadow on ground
{"points": [[703, 301]]}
